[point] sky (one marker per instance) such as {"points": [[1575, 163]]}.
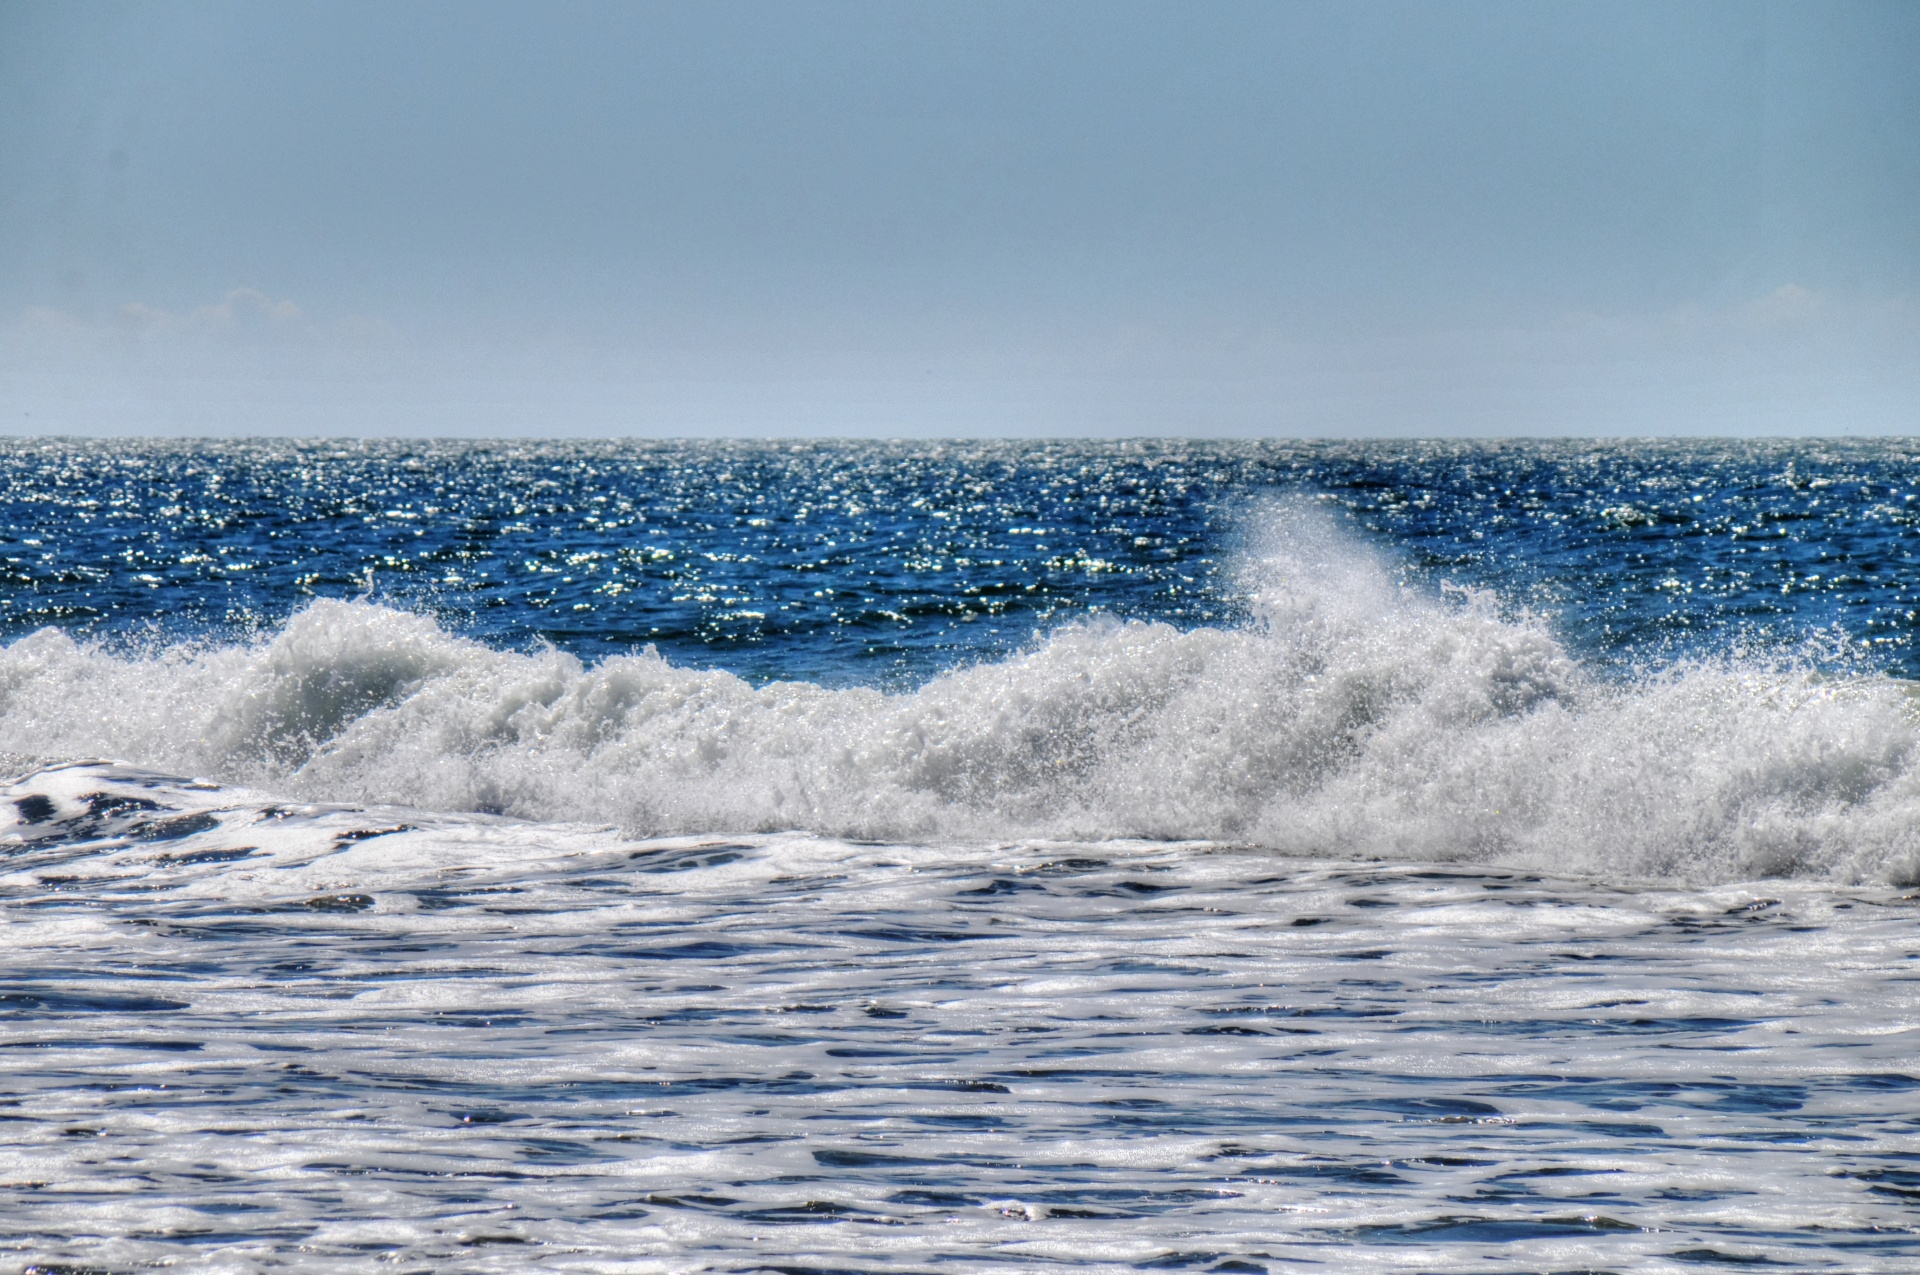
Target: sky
{"points": [[964, 218]]}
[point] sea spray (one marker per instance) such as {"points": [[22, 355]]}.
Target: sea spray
{"points": [[1351, 714]]}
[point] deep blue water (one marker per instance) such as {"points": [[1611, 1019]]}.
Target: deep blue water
{"points": [[884, 562]]}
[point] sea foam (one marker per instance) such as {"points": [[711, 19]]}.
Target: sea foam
{"points": [[1350, 714]]}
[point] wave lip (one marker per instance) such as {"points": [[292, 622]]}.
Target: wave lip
{"points": [[1351, 715]]}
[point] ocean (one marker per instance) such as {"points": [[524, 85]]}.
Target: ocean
{"points": [[915, 857]]}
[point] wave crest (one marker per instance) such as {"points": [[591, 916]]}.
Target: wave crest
{"points": [[1351, 715]]}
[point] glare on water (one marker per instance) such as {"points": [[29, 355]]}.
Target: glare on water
{"points": [[886, 857]]}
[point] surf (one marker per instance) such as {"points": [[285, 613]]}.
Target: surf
{"points": [[1351, 714]]}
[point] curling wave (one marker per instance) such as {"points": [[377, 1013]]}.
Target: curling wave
{"points": [[1349, 716]]}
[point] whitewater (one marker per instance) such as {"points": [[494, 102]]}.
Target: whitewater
{"points": [[1337, 913], [1350, 715]]}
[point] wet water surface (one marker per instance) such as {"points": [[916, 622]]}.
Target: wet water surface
{"points": [[244, 1036]]}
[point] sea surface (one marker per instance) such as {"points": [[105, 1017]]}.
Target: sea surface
{"points": [[886, 857]]}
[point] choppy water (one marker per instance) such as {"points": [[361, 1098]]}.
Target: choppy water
{"points": [[1387, 867], [888, 562]]}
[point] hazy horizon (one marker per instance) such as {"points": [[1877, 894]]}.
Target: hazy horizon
{"points": [[980, 220]]}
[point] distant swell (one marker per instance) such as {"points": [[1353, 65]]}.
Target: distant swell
{"points": [[1349, 716]]}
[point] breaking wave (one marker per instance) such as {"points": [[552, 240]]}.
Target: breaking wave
{"points": [[1350, 715]]}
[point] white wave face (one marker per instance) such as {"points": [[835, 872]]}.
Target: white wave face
{"points": [[1351, 716]]}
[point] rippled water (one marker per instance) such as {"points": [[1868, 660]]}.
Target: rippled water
{"points": [[252, 1036], [861, 562], [1206, 857]]}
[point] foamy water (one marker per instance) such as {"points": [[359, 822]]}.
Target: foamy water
{"points": [[1364, 923], [252, 1036], [1351, 715]]}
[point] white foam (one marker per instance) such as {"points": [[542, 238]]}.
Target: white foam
{"points": [[1351, 715]]}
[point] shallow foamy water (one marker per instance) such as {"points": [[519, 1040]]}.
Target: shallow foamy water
{"points": [[245, 1036]]}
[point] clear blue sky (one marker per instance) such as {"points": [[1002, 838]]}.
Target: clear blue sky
{"points": [[978, 217]]}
